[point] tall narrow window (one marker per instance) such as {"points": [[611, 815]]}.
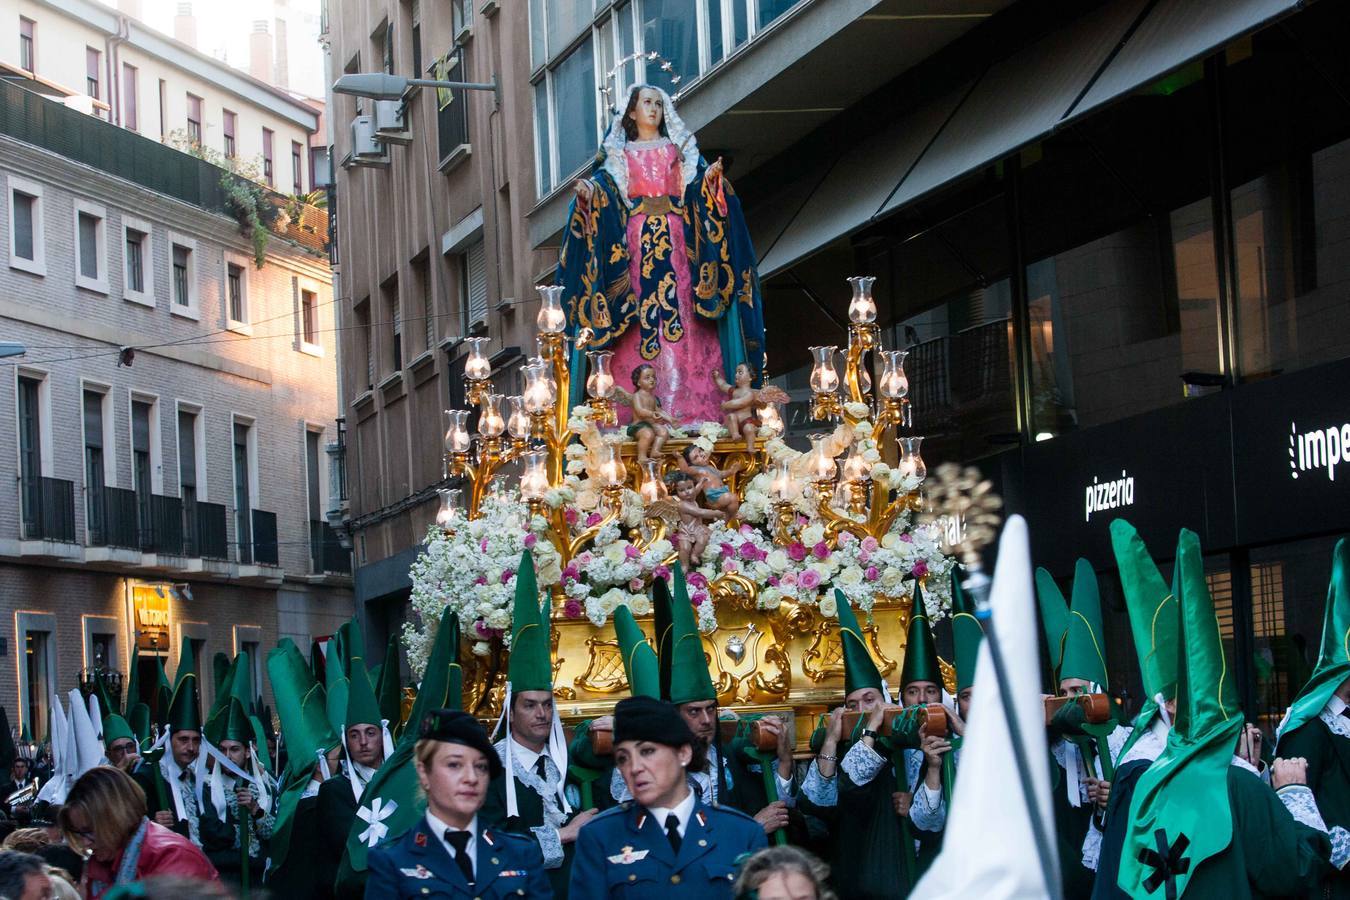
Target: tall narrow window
{"points": [[315, 514], [163, 110], [129, 94], [194, 119], [93, 65], [416, 11], [309, 315], [30, 451], [38, 665], [267, 157], [187, 478], [142, 473], [234, 289], [397, 343], [93, 464], [92, 271], [243, 502], [473, 289], [27, 44], [421, 269], [228, 122], [182, 273], [135, 260], [25, 222], [297, 170], [366, 335]]}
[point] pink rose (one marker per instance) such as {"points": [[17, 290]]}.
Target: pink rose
{"points": [[662, 572], [747, 529], [871, 574], [480, 580], [788, 580], [483, 546], [748, 552], [730, 566], [570, 515], [530, 540], [809, 579], [572, 609], [481, 627], [908, 539], [796, 551], [699, 598], [920, 569], [773, 580], [697, 579], [631, 552], [821, 550], [635, 584], [864, 556], [584, 559], [593, 520], [726, 550], [846, 538], [870, 544], [571, 571], [507, 575]]}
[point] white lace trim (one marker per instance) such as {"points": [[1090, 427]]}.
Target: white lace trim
{"points": [[1335, 722], [1150, 744], [818, 789], [862, 763]]}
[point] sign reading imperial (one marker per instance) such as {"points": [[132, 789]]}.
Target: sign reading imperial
{"points": [[1321, 448]]}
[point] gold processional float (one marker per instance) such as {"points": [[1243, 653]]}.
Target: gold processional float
{"points": [[601, 524]]}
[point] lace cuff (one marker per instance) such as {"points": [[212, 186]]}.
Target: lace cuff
{"points": [[1299, 800], [862, 763], [1340, 846], [787, 787], [1092, 846], [928, 812], [550, 843], [818, 789]]}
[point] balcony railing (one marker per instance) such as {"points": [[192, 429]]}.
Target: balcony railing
{"points": [[211, 540], [48, 509], [326, 551], [165, 534], [265, 538]]}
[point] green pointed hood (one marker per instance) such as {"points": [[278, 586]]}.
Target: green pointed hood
{"points": [[663, 631], [1185, 791], [335, 690], [115, 728], [530, 667], [1054, 620], [389, 686], [106, 704], [639, 659], [1153, 611], [921, 659], [187, 664], [162, 695], [396, 780], [1073, 632], [967, 633], [235, 726], [221, 667], [138, 717], [363, 708], [185, 708], [859, 669], [689, 678], [132, 695], [219, 711], [1333, 659]]}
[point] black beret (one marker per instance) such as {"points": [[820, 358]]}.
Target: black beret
{"points": [[453, 726], [643, 718]]}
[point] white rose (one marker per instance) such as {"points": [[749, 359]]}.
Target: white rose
{"points": [[850, 576], [480, 648], [857, 410], [828, 607], [812, 535], [614, 554], [778, 561], [640, 605], [891, 541]]}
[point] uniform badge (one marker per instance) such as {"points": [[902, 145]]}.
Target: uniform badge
{"points": [[628, 856], [420, 839], [421, 872]]}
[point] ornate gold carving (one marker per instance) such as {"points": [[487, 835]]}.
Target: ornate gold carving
{"points": [[775, 690], [948, 676], [604, 669], [562, 692], [825, 657]]}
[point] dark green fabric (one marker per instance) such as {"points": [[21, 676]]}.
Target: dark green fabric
{"points": [[1113, 835], [859, 669], [115, 728], [1153, 622], [1333, 658], [1073, 632], [639, 659], [530, 807], [389, 686], [363, 707], [221, 669], [1328, 757], [185, 707], [138, 717], [1071, 827], [921, 659], [867, 863], [530, 667], [662, 632], [967, 635], [689, 678], [598, 769]]}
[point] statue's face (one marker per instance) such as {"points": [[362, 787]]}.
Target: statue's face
{"points": [[648, 110]]}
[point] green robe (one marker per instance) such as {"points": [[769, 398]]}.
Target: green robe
{"points": [[1271, 854], [1328, 757], [1113, 836], [1071, 827], [594, 769]]}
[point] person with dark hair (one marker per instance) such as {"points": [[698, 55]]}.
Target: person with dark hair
{"points": [[23, 876], [105, 815], [62, 856], [451, 851], [665, 842], [20, 777]]}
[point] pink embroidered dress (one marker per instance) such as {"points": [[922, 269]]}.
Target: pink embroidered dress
{"points": [[685, 363]]}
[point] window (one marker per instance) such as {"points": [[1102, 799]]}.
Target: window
{"points": [[309, 317], [31, 434], [189, 446], [27, 47], [93, 65], [473, 290], [316, 522], [568, 94], [142, 467], [386, 47], [36, 634], [228, 122], [129, 91], [91, 270], [27, 247], [297, 170], [267, 156], [365, 335], [194, 119], [138, 271], [184, 261], [452, 117], [421, 271], [236, 282], [461, 17], [100, 642], [243, 499], [416, 31], [163, 107], [389, 294], [94, 464]]}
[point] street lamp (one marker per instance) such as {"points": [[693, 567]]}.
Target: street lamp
{"points": [[12, 348], [384, 86]]}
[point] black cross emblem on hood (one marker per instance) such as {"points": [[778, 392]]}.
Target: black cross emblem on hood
{"points": [[1167, 862]]}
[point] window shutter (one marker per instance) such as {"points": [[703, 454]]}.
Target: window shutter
{"points": [[476, 267]]}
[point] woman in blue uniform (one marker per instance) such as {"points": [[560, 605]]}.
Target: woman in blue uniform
{"points": [[665, 843], [449, 853]]}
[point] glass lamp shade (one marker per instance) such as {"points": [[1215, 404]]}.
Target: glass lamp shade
{"points": [[911, 464], [862, 309], [653, 488], [824, 378], [449, 507], [551, 319], [822, 465], [894, 384], [770, 422], [457, 431], [477, 366], [782, 485], [611, 466], [856, 468], [518, 421], [490, 421], [534, 475], [600, 383]]}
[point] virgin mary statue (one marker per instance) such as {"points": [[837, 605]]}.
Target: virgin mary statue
{"points": [[657, 262]]}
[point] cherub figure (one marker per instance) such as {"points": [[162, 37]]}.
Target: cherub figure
{"points": [[694, 463], [691, 535], [650, 422], [739, 407]]}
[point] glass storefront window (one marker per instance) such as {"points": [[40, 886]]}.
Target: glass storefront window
{"points": [[574, 108], [566, 20], [670, 27]]}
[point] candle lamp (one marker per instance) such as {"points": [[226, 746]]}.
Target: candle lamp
{"points": [[490, 421], [600, 385], [653, 488], [862, 309], [551, 319], [518, 421], [782, 487], [457, 439], [449, 508], [534, 477], [477, 369], [911, 464], [824, 383]]}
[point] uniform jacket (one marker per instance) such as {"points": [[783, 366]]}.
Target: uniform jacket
{"points": [[417, 865], [624, 852]]}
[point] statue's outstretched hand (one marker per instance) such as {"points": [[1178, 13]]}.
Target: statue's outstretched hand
{"points": [[714, 171], [583, 188]]}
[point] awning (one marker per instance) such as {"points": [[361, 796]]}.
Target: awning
{"points": [[1015, 102]]}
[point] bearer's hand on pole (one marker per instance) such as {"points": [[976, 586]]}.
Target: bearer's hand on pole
{"points": [[773, 817], [1289, 771]]}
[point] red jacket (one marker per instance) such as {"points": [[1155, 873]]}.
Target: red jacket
{"points": [[163, 852]]}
